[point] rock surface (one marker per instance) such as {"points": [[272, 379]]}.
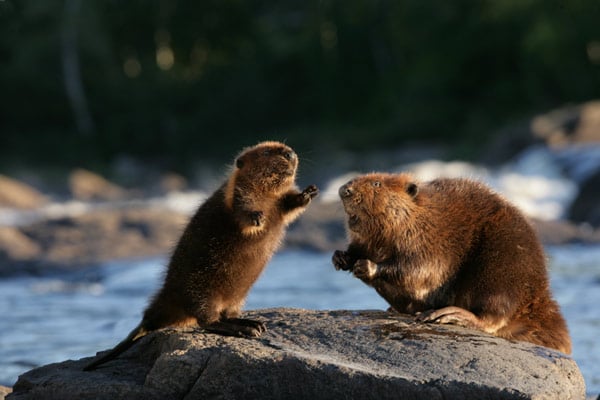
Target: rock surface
{"points": [[4, 391], [317, 355], [87, 185], [14, 193], [568, 125], [100, 235]]}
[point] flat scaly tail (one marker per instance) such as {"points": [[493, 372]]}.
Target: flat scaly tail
{"points": [[125, 344]]}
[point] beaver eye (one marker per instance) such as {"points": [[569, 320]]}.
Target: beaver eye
{"points": [[377, 184], [266, 153], [412, 189]]}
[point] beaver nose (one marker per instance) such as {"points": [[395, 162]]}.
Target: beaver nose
{"points": [[289, 155], [345, 191]]}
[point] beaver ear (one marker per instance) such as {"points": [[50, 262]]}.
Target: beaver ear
{"points": [[412, 189], [239, 163]]}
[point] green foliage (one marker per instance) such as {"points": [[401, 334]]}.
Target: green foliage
{"points": [[178, 80]]}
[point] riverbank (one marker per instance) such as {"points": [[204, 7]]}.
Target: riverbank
{"points": [[101, 221], [73, 235]]}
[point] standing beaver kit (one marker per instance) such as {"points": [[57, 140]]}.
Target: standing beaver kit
{"points": [[225, 247], [453, 252]]}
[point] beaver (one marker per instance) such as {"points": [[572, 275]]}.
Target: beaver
{"points": [[225, 247], [451, 251]]}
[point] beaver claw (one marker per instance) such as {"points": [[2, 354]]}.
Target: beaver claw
{"points": [[310, 192], [365, 270]]}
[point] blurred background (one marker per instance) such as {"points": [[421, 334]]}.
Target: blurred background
{"points": [[118, 118], [171, 82]]}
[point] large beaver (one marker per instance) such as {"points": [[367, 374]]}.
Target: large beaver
{"points": [[226, 246], [451, 251]]}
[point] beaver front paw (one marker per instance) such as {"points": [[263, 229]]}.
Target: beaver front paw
{"points": [[310, 192], [257, 218], [341, 260], [365, 270]]}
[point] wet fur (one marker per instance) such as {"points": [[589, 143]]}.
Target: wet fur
{"points": [[226, 246], [455, 252]]}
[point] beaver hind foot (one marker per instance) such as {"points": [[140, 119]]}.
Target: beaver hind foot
{"points": [[239, 327], [452, 315]]}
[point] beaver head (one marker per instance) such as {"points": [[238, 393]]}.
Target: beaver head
{"points": [[378, 204], [269, 167]]}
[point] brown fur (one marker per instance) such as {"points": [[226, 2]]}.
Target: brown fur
{"points": [[226, 246], [452, 251]]}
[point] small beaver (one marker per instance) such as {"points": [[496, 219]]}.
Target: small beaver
{"points": [[225, 247], [453, 252]]}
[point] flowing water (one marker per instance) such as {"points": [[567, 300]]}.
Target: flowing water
{"points": [[53, 318]]}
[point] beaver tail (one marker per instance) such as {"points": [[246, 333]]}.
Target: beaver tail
{"points": [[138, 332]]}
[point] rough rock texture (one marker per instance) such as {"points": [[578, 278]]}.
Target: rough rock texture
{"points": [[318, 355]]}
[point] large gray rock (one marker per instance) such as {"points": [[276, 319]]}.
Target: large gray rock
{"points": [[318, 355]]}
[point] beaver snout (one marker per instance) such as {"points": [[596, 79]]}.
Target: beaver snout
{"points": [[289, 155], [345, 191]]}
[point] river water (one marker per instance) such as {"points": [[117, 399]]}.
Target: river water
{"points": [[54, 318]]}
